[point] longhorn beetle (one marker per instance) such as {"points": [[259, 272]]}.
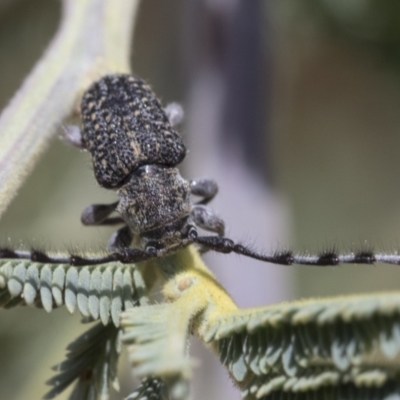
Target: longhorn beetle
{"points": [[135, 151]]}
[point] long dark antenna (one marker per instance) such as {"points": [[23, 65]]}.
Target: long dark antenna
{"points": [[216, 243], [326, 258]]}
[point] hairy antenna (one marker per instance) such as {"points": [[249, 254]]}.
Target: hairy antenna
{"points": [[216, 243]]}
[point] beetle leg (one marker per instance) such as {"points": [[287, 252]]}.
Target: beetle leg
{"points": [[206, 188], [73, 135], [205, 218], [174, 113], [120, 239], [96, 214]]}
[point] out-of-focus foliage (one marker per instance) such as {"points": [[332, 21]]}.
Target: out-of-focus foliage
{"points": [[372, 23], [92, 360]]}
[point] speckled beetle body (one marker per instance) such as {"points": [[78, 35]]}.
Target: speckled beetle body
{"points": [[124, 127], [135, 151]]}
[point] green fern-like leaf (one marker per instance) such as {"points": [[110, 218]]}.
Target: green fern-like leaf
{"points": [[389, 391], [344, 345], [91, 360], [157, 338], [98, 292]]}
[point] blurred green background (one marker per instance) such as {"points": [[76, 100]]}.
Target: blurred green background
{"points": [[333, 147]]}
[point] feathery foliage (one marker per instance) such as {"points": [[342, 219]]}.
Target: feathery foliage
{"points": [[348, 344], [99, 291], [389, 391], [156, 346], [344, 347], [92, 360], [324, 348], [157, 337]]}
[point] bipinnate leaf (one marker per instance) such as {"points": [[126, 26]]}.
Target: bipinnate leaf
{"points": [[100, 291], [345, 347], [157, 338], [91, 361]]}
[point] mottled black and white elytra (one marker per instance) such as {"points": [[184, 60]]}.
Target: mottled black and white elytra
{"points": [[135, 151], [125, 127]]}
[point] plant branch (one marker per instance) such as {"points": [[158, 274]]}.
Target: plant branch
{"points": [[94, 38]]}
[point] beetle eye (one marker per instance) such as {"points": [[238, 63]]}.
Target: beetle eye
{"points": [[153, 246], [189, 232], [151, 250]]}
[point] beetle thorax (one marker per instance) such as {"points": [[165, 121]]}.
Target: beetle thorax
{"points": [[153, 196]]}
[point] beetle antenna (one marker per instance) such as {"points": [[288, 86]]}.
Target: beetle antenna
{"points": [[326, 258]]}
